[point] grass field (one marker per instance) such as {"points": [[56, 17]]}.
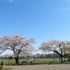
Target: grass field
{"points": [[36, 61], [39, 61], [38, 64]]}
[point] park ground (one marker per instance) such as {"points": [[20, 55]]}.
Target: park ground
{"points": [[39, 67]]}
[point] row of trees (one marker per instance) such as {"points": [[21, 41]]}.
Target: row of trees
{"points": [[19, 44]]}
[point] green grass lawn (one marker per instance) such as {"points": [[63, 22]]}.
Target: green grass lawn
{"points": [[36, 61]]}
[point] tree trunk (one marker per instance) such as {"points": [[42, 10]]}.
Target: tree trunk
{"points": [[60, 55], [61, 58], [17, 60]]}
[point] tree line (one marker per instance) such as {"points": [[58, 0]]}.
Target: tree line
{"points": [[19, 44]]}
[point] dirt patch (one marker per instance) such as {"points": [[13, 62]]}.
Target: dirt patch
{"points": [[41, 67]]}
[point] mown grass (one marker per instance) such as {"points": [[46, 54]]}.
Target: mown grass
{"points": [[36, 61]]}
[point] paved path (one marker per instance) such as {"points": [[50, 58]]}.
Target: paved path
{"points": [[42, 67]]}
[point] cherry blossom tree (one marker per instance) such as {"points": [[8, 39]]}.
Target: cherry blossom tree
{"points": [[55, 46], [16, 44]]}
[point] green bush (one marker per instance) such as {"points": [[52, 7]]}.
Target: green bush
{"points": [[23, 62], [1, 67]]}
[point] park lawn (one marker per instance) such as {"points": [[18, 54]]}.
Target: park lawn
{"points": [[36, 61]]}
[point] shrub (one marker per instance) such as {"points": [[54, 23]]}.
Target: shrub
{"points": [[1, 67], [23, 62]]}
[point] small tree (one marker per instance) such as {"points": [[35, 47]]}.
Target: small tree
{"points": [[16, 44], [55, 46]]}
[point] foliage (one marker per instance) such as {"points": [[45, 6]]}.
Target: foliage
{"points": [[1, 67], [17, 44], [55, 46]]}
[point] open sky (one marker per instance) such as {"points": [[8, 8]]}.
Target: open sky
{"points": [[39, 19]]}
